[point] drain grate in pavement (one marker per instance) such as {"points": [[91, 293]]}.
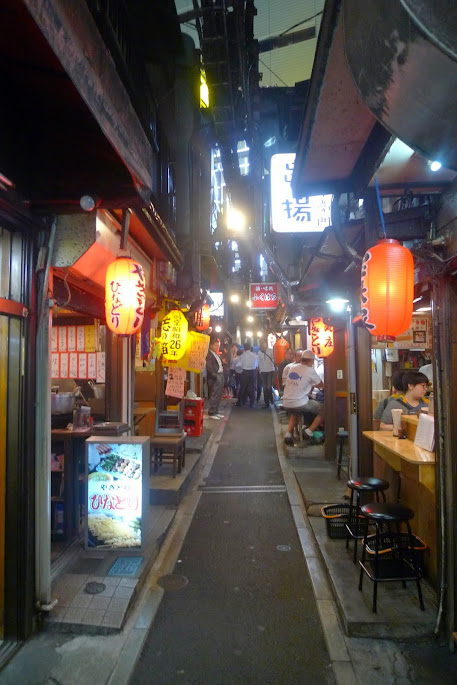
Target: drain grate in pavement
{"points": [[224, 489], [125, 566], [94, 588], [173, 581]]}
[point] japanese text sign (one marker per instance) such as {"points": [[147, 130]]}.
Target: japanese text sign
{"points": [[174, 335], [116, 478], [175, 382], [322, 343], [309, 214], [194, 358], [263, 295]]}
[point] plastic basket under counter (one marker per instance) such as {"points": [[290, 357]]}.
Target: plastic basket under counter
{"points": [[336, 517]]}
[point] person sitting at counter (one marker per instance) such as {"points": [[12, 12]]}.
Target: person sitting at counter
{"points": [[411, 401], [397, 390]]}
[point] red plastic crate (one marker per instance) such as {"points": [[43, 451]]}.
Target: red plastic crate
{"points": [[193, 410], [193, 428]]}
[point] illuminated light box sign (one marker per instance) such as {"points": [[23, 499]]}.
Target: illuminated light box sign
{"points": [[311, 214], [263, 295], [117, 481], [217, 308]]}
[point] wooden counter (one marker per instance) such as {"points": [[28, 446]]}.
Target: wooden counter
{"points": [[394, 451], [410, 471]]}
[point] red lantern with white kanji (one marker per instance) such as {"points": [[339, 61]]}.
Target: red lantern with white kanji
{"points": [[125, 296], [202, 317], [322, 342], [387, 288]]}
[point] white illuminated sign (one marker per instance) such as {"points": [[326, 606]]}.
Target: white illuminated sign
{"points": [[310, 214]]}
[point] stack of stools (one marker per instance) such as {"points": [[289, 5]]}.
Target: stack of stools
{"points": [[354, 527], [389, 555], [193, 416]]}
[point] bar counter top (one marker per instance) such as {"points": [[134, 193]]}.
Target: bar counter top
{"points": [[405, 449]]}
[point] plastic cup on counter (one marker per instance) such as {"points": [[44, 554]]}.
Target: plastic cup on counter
{"points": [[396, 421]]}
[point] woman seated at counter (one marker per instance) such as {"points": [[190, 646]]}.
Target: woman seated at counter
{"points": [[397, 391], [411, 401]]}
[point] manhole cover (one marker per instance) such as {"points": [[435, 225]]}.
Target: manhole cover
{"points": [[283, 548], [173, 582], [94, 588]]}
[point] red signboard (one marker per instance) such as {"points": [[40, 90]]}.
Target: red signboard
{"points": [[264, 295]]}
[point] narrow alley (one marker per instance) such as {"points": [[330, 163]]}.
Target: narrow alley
{"points": [[248, 613]]}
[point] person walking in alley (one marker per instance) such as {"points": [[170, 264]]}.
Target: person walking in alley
{"points": [[300, 381], [248, 363], [266, 370], [214, 379]]}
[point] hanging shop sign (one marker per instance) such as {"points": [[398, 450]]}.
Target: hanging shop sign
{"points": [[387, 288], [117, 476], [125, 296], [194, 358], [174, 335], [202, 318], [263, 295], [310, 214], [322, 342]]}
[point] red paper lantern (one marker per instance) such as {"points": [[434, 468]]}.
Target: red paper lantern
{"points": [[125, 296], [387, 288], [322, 343], [279, 350], [202, 317]]}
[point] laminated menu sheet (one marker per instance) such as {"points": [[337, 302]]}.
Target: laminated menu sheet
{"points": [[425, 433]]}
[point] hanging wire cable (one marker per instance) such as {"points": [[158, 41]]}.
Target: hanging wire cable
{"points": [[274, 74], [380, 207], [302, 22]]}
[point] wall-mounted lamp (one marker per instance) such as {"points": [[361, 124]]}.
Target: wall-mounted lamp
{"points": [[249, 319], [337, 304], [89, 202], [235, 298]]}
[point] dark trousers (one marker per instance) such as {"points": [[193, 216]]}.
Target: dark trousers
{"points": [[247, 388], [267, 382], [215, 388]]}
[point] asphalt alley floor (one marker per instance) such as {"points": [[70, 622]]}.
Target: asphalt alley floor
{"points": [[247, 612]]}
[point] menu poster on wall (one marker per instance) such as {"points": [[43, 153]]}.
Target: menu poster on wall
{"points": [[175, 382], [71, 332], [73, 365], [54, 339], [117, 478], [197, 353], [91, 365], [55, 365], [62, 338], [63, 365], [100, 378], [416, 337], [82, 365], [80, 339]]}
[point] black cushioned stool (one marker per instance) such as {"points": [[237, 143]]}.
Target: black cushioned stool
{"points": [[354, 526], [341, 437], [389, 555]]}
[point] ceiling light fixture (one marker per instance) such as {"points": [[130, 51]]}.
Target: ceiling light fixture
{"points": [[435, 166]]}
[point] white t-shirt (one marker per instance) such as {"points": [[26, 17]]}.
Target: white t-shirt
{"points": [[298, 384]]}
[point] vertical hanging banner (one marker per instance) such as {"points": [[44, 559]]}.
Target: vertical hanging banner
{"points": [[174, 335], [322, 343], [175, 382]]}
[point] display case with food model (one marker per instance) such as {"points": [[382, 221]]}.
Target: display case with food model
{"points": [[117, 486]]}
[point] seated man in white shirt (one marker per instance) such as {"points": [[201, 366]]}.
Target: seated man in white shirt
{"points": [[248, 363], [300, 381]]}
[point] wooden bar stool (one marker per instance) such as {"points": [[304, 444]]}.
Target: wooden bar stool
{"points": [[389, 555], [169, 448], [357, 486]]}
